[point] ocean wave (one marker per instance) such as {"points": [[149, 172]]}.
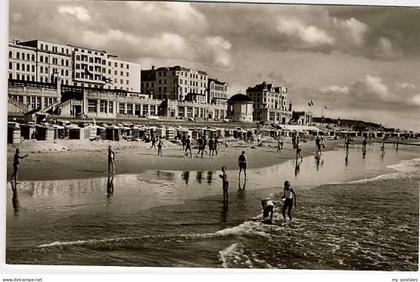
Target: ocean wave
{"points": [[234, 255], [403, 169], [248, 228]]}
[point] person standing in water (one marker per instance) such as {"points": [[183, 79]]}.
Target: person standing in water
{"points": [[383, 148], [397, 142], [289, 197], [225, 185], [16, 164], [298, 150], [159, 146], [242, 164], [111, 159], [364, 146]]}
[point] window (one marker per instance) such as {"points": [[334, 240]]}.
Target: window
{"points": [[33, 68], [115, 65], [33, 57], [127, 74], [17, 76], [10, 65], [18, 66], [122, 65], [78, 66], [121, 73], [67, 72], [46, 60], [28, 68], [111, 107], [92, 106], [78, 57], [128, 67], [121, 81], [77, 75], [121, 108], [42, 46], [102, 107], [127, 81], [18, 55], [10, 54], [115, 72]]}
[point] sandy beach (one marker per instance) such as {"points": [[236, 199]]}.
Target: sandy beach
{"points": [[71, 159]]}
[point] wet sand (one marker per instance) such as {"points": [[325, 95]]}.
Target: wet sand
{"points": [[85, 159]]}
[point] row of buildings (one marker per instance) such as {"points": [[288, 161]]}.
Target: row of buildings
{"points": [[76, 81]]}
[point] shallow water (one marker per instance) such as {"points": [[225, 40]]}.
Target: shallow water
{"points": [[352, 214]]}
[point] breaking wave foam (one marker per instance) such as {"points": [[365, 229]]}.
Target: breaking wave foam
{"points": [[403, 169]]}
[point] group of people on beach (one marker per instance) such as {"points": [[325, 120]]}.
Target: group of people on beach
{"points": [[289, 196]]}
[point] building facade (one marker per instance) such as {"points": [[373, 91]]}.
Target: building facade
{"points": [[176, 83], [47, 62], [217, 92], [270, 103]]}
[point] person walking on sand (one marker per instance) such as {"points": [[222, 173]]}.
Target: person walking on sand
{"points": [[188, 146], [318, 145], [153, 142], [225, 185], [242, 165], [279, 144], [289, 198], [159, 146], [183, 139], [347, 143], [397, 142], [211, 147], [383, 148], [16, 163], [216, 145], [111, 159]]}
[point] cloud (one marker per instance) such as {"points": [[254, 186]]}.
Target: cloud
{"points": [[354, 29], [79, 12], [416, 99], [371, 86], [215, 50], [335, 89], [385, 49], [308, 34]]}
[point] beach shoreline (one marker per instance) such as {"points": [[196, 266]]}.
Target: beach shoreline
{"points": [[77, 160]]}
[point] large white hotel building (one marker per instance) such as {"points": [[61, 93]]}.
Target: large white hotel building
{"points": [[42, 61]]}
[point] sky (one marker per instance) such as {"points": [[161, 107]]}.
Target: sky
{"points": [[352, 62]]}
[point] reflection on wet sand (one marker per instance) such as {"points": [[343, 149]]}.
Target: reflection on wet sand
{"points": [[297, 167], [224, 213], [15, 200], [209, 177], [110, 185], [186, 176], [199, 176]]}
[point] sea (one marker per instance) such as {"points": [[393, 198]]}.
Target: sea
{"points": [[353, 212]]}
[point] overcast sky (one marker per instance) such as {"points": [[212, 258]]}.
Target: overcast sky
{"points": [[359, 62]]}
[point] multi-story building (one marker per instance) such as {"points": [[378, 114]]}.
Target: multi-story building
{"points": [[47, 62], [176, 83], [22, 62], [53, 61], [270, 105], [216, 92], [123, 75]]}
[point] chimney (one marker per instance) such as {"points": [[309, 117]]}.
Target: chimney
{"points": [[153, 67]]}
